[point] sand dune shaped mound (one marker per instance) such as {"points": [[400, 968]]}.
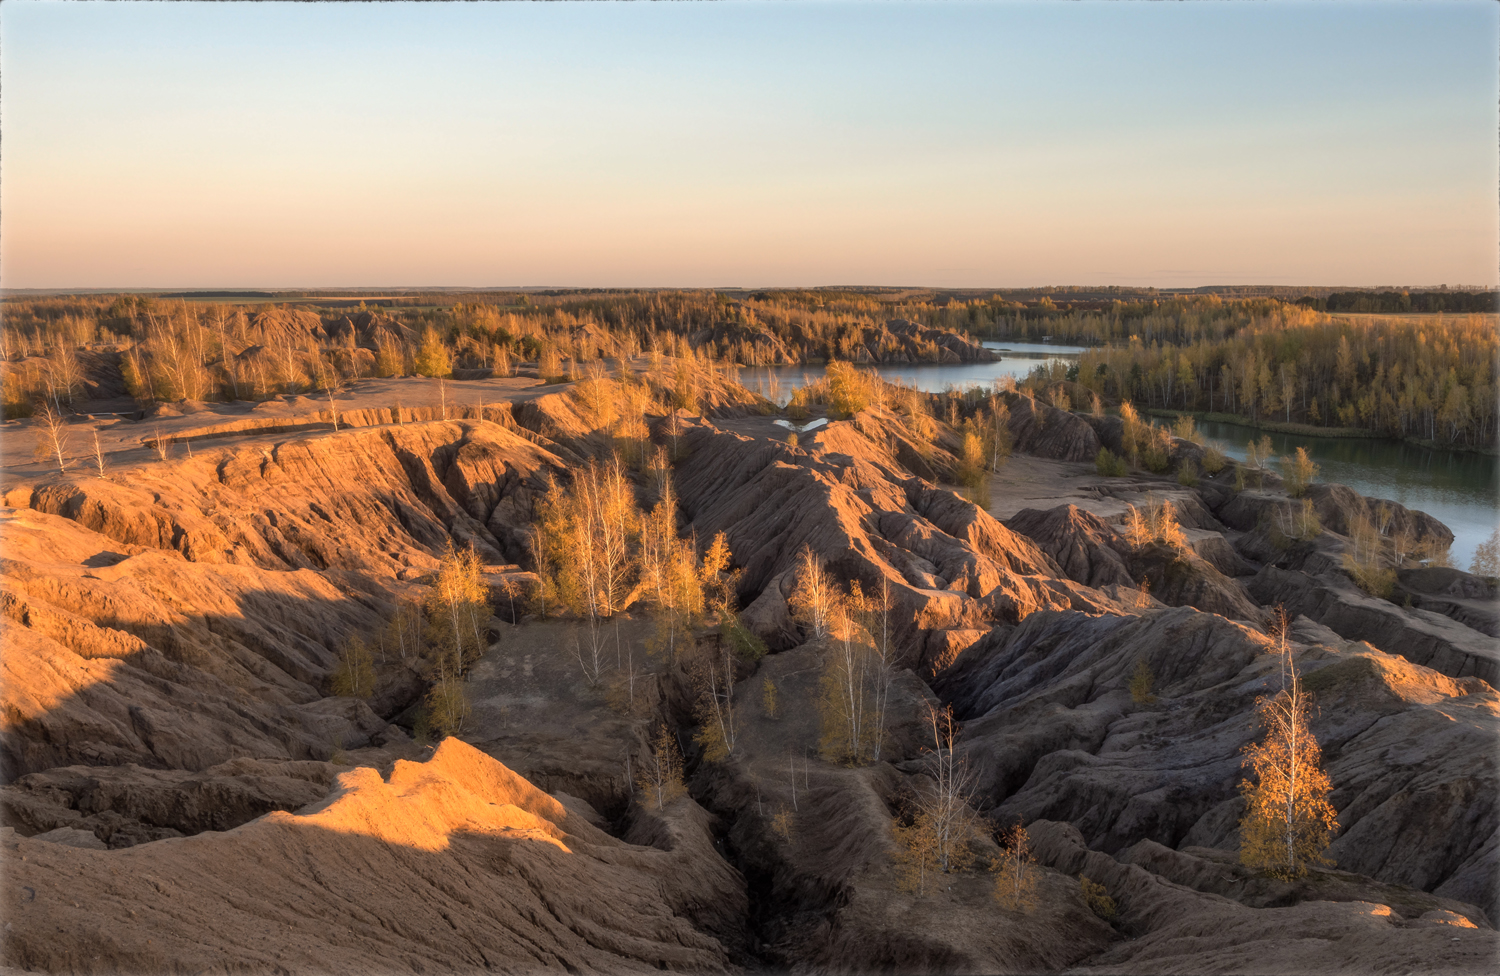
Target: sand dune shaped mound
{"points": [[143, 657], [1092, 552], [373, 500], [950, 565], [1050, 721], [1175, 929], [454, 864]]}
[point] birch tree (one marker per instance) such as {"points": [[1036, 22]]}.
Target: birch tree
{"points": [[52, 433], [660, 775], [1288, 820], [814, 595]]}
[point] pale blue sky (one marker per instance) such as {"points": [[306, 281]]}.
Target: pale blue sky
{"points": [[154, 144]]}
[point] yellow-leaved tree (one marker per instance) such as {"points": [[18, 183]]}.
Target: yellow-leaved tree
{"points": [[432, 357], [669, 579], [1016, 875], [1288, 820], [660, 774], [858, 670], [713, 678], [975, 458], [448, 705], [716, 579], [458, 614], [458, 609], [814, 597], [1155, 522], [582, 548], [354, 676]]}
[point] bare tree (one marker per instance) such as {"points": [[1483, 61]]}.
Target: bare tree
{"points": [[98, 453], [66, 376], [948, 799], [874, 613], [814, 597], [660, 776], [331, 380], [52, 432]]}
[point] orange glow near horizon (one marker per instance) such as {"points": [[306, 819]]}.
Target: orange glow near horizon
{"points": [[287, 145]]}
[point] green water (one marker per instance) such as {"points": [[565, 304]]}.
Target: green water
{"points": [[1460, 489]]}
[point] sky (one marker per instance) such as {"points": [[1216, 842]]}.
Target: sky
{"points": [[177, 145]]}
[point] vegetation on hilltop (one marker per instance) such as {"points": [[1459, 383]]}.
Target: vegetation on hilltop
{"points": [[1261, 359]]}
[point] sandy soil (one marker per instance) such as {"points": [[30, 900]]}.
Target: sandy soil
{"points": [[221, 427], [1031, 482]]}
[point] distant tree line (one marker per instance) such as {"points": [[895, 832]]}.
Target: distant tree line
{"points": [[1430, 379], [1401, 301], [1259, 358]]}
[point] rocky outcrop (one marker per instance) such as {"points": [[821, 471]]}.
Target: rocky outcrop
{"points": [[145, 657], [916, 340], [1045, 431], [291, 327], [949, 564], [1220, 872], [1182, 578], [1218, 552], [879, 436], [122, 806], [1090, 551], [1473, 601], [1421, 636], [455, 864], [374, 500], [749, 343], [1086, 547], [192, 613], [1177, 929], [825, 892], [1336, 507], [1188, 506], [1050, 723]]}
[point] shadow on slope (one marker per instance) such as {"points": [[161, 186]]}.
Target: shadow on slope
{"points": [[452, 864], [1050, 721]]}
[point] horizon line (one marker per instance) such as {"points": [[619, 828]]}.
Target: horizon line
{"points": [[273, 289]]}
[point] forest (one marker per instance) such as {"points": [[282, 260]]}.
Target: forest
{"points": [[1394, 301], [1430, 378]]}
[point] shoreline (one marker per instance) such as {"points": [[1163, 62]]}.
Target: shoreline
{"points": [[1308, 430]]}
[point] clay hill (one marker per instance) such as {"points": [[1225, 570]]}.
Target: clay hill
{"points": [[185, 791]]}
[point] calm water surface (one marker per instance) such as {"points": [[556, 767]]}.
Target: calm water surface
{"points": [[1017, 360], [1458, 489], [1461, 490]]}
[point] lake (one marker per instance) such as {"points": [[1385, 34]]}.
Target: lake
{"points": [[1459, 489], [1017, 360]]}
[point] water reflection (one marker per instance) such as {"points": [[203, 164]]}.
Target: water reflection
{"points": [[1017, 360], [1459, 489]]}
